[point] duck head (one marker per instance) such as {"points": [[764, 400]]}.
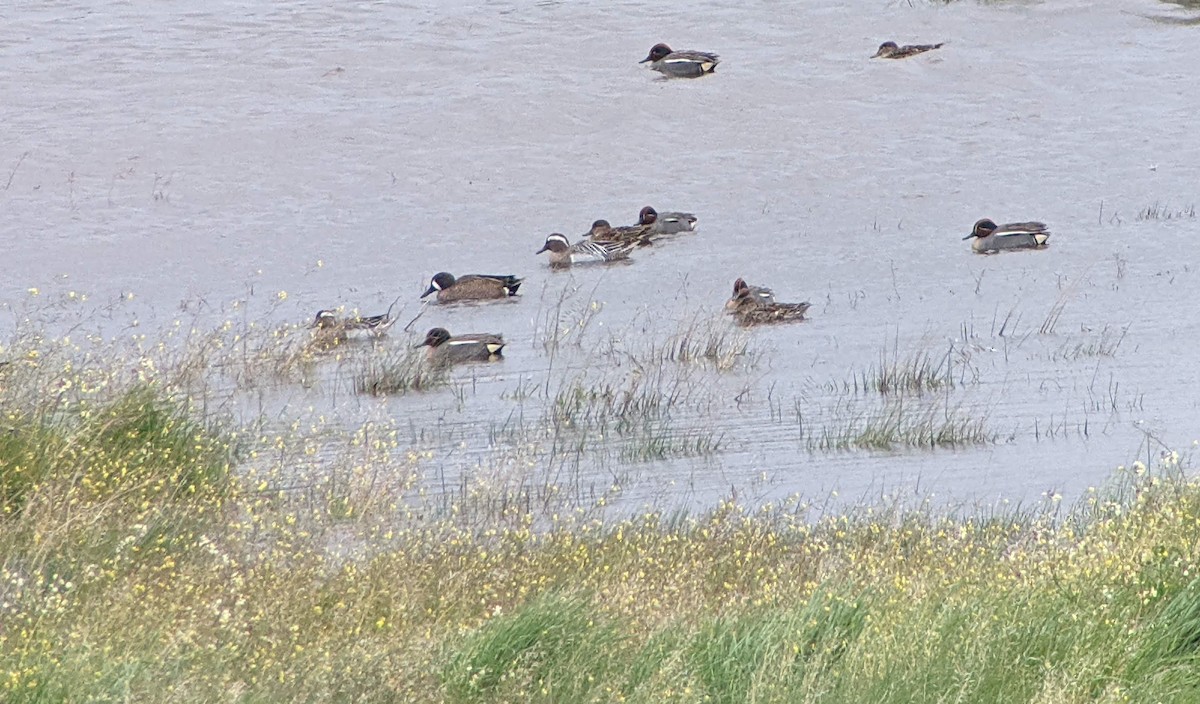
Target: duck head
{"points": [[434, 337], [658, 52], [440, 282], [983, 228], [555, 243], [886, 49]]}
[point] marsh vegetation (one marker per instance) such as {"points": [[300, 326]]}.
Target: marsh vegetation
{"points": [[159, 551]]}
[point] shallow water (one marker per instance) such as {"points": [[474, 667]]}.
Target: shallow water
{"points": [[345, 153]]}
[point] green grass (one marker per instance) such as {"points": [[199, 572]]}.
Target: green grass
{"points": [[140, 442], [556, 646], [1100, 606], [846, 643]]}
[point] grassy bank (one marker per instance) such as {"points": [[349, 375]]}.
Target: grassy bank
{"points": [[137, 569], [153, 554]]}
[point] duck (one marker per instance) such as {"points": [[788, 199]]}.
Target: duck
{"points": [[749, 310], [471, 287], [603, 232], [563, 253], [990, 237], [475, 347], [327, 321], [759, 294], [892, 50], [680, 64], [666, 223]]}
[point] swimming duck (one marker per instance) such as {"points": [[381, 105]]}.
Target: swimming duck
{"points": [[749, 310], [471, 287], [741, 289], [563, 253], [680, 64], [891, 50], [328, 321], [603, 232], [990, 237], [479, 347], [666, 223]]}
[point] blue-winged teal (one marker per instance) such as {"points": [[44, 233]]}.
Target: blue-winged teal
{"points": [[892, 50], [666, 223], [741, 289], [472, 287], [477, 347], [749, 309], [680, 64], [603, 232], [563, 253], [990, 237]]}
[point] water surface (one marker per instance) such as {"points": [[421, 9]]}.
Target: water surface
{"points": [[345, 153]]}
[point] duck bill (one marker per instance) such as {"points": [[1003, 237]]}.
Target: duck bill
{"points": [[877, 54], [543, 249], [419, 345], [431, 289], [645, 60], [970, 236]]}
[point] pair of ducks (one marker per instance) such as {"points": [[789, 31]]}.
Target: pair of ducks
{"points": [[447, 349], [605, 243], [443, 347], [754, 305], [688, 63]]}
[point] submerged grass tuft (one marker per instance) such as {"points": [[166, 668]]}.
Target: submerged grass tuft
{"points": [[901, 424], [398, 372], [1159, 211], [916, 373], [663, 444], [703, 340]]}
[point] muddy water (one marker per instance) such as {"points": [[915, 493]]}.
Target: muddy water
{"points": [[343, 153]]}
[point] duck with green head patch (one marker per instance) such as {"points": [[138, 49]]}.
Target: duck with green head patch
{"points": [[668, 223], [475, 347], [681, 64], [990, 237]]}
